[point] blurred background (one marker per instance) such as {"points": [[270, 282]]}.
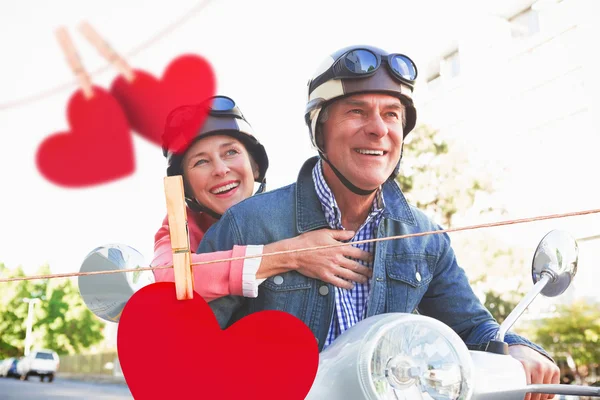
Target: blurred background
{"points": [[508, 100]]}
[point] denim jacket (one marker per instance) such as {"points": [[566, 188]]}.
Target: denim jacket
{"points": [[414, 274]]}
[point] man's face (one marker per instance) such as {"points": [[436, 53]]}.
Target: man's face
{"points": [[363, 137]]}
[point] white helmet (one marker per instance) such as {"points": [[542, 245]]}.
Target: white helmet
{"points": [[357, 69]]}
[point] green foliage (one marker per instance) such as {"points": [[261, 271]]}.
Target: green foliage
{"points": [[437, 180], [61, 321], [574, 330], [501, 304]]}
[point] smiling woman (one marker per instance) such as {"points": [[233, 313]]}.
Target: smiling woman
{"points": [[219, 172]]}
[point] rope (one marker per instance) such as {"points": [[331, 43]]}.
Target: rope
{"points": [[141, 47], [465, 228]]}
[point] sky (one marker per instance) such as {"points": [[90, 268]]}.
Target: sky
{"points": [[262, 51]]}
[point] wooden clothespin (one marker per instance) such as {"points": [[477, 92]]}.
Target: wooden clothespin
{"points": [[74, 62], [180, 240], [106, 51]]}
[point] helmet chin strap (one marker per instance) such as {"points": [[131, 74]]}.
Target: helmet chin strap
{"points": [[353, 188], [196, 206], [262, 187]]}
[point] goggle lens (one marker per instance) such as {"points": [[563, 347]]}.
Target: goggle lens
{"points": [[360, 61], [222, 103], [403, 67]]}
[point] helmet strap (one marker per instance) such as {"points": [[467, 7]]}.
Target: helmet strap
{"points": [[397, 169], [262, 187], [353, 188], [197, 207]]}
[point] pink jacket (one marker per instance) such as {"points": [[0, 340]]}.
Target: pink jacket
{"points": [[211, 281]]}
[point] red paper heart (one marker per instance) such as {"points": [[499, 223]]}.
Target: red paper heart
{"points": [[172, 349], [98, 149], [189, 79]]}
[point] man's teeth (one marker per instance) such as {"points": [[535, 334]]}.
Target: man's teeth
{"points": [[370, 152], [226, 188]]}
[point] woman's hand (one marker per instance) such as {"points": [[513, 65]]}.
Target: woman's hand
{"points": [[331, 265]]}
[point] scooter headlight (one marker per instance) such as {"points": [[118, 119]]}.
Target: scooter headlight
{"points": [[414, 357]]}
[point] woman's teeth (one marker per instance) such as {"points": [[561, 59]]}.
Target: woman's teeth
{"points": [[225, 188]]}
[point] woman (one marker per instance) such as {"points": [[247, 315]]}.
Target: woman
{"points": [[219, 161]]}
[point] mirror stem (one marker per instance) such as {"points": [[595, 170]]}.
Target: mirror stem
{"points": [[523, 304]]}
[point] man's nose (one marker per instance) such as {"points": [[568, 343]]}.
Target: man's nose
{"points": [[377, 126], [220, 168]]}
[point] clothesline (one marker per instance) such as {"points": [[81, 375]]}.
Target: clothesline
{"points": [[465, 228], [131, 53]]}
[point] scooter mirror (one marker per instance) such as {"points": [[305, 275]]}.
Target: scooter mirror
{"points": [[106, 294], [556, 255]]}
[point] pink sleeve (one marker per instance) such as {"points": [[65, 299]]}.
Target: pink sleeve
{"points": [[211, 281]]}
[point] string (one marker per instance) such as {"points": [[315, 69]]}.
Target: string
{"points": [[133, 52], [437, 232]]}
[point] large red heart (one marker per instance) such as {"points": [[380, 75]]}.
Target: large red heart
{"points": [[171, 349], [189, 79], [98, 149]]}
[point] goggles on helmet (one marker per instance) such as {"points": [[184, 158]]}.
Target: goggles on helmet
{"points": [[223, 106], [360, 63]]}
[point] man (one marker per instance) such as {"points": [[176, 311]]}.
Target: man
{"points": [[359, 112]]}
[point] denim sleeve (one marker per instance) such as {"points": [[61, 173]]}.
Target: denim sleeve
{"points": [[223, 235], [451, 300]]}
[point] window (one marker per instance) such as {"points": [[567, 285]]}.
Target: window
{"points": [[451, 65], [44, 356], [525, 24], [434, 82]]}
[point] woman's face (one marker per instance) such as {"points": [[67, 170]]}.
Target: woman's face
{"points": [[219, 172]]}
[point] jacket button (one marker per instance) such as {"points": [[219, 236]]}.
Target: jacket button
{"points": [[278, 280], [418, 276], [324, 290]]}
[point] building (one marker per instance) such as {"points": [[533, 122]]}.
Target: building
{"points": [[521, 78]]}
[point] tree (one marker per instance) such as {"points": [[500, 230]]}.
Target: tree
{"points": [[62, 322], [573, 331], [437, 180], [13, 312], [500, 304]]}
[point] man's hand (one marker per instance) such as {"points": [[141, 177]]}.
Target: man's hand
{"points": [[538, 369]]}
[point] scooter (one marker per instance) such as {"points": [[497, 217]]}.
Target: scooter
{"points": [[388, 356], [408, 356]]}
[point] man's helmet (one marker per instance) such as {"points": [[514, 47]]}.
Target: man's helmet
{"points": [[187, 124], [354, 70]]}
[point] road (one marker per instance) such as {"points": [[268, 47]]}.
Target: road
{"points": [[13, 389]]}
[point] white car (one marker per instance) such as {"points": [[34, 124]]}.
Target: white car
{"points": [[42, 363]]}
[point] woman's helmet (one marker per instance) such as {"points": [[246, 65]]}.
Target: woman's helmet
{"points": [[218, 115], [354, 70]]}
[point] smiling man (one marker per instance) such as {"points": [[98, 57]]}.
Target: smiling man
{"points": [[359, 111]]}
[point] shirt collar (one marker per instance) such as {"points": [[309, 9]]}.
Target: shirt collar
{"points": [[330, 207]]}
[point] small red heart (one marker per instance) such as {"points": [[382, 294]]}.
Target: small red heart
{"points": [[266, 355], [98, 149], [188, 79]]}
